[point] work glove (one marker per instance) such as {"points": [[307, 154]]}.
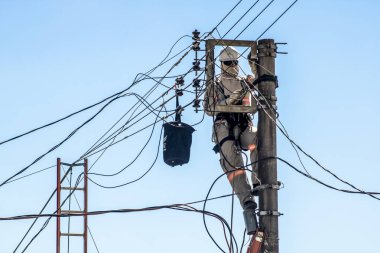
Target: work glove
{"points": [[235, 97]]}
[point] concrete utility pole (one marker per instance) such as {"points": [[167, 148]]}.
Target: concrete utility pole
{"points": [[267, 168]]}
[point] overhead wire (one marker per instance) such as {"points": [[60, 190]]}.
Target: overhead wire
{"points": [[30, 174], [101, 101], [72, 133], [34, 223]]}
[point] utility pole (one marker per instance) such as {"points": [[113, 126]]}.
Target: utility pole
{"points": [[267, 167]]}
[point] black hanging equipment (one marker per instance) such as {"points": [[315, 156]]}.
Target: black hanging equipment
{"points": [[177, 137]]}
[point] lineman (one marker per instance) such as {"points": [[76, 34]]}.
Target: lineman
{"points": [[234, 132]]}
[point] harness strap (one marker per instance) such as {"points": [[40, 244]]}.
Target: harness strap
{"points": [[218, 146]]}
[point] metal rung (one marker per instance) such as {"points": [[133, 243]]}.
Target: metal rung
{"points": [[72, 188], [71, 212], [71, 234], [73, 165]]}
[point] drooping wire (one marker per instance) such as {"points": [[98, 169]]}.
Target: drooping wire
{"points": [[228, 14], [137, 179], [101, 101]]}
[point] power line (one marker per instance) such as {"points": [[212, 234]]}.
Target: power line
{"points": [[31, 174], [59, 144], [140, 177], [240, 1], [101, 101], [277, 19]]}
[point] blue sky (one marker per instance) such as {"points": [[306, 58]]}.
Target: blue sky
{"points": [[57, 57]]}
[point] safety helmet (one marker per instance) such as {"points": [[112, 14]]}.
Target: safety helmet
{"points": [[229, 54]]}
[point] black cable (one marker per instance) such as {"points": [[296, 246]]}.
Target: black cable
{"points": [[42, 209], [371, 194], [249, 24], [49, 218], [102, 212], [138, 97], [60, 143], [36, 172], [98, 174], [242, 243], [249, 9], [296, 146], [205, 202], [277, 19], [138, 119], [253, 20], [100, 102], [215, 27], [125, 128], [133, 160], [223, 18], [137, 179]]}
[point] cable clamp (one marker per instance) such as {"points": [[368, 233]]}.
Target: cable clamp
{"points": [[270, 213], [267, 186], [270, 98], [260, 107]]}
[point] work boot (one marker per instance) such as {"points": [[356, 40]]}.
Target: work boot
{"points": [[250, 217]]}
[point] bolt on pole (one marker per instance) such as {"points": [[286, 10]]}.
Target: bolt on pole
{"points": [[267, 168]]}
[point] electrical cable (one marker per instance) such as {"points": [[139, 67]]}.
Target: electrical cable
{"points": [[249, 9], [59, 144], [97, 103], [242, 243], [133, 160], [49, 218], [223, 19], [234, 7], [277, 19], [315, 161], [41, 211], [140, 177], [36, 172]]}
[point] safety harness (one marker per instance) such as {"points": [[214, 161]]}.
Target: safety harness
{"points": [[233, 120]]}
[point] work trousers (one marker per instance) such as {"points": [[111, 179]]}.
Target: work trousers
{"points": [[231, 157]]}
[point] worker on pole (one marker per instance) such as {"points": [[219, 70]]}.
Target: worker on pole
{"points": [[234, 133]]}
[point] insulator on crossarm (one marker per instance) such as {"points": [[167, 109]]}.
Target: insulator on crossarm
{"points": [[196, 104], [196, 66], [179, 81], [196, 83], [196, 46], [196, 34], [179, 92]]}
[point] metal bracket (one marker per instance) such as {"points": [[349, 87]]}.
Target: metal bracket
{"points": [[274, 107], [267, 186], [73, 164], [270, 213], [270, 98]]}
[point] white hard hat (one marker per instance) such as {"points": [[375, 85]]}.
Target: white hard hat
{"points": [[229, 54]]}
